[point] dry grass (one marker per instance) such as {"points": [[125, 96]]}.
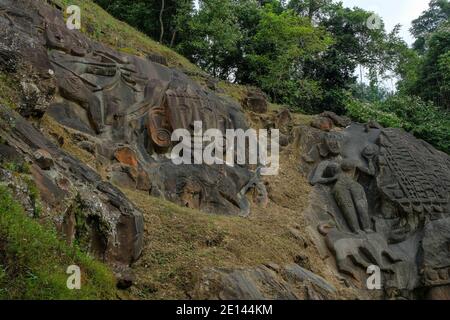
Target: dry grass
{"points": [[181, 243], [64, 137]]}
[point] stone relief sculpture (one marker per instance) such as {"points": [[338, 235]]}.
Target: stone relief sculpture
{"points": [[384, 192], [122, 109], [349, 194], [126, 107]]}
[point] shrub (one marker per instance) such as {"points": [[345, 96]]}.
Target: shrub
{"points": [[424, 120]]}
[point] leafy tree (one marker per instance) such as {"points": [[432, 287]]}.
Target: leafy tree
{"points": [[315, 10], [148, 15], [437, 14], [425, 70], [281, 45], [214, 34], [355, 44], [433, 83], [411, 113]]}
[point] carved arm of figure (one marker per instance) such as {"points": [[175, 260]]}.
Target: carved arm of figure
{"points": [[370, 169], [369, 153], [311, 155], [326, 172]]}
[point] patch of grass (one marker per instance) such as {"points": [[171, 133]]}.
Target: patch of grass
{"points": [[301, 119], [19, 167], [34, 196], [235, 91], [101, 26], [54, 130], [8, 91], [180, 243], [33, 260]]}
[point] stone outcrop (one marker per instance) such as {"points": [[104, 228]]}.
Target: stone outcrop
{"points": [[84, 207], [382, 197], [256, 101], [265, 282], [126, 109]]}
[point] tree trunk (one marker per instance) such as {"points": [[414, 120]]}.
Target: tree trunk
{"points": [[172, 41], [161, 12]]}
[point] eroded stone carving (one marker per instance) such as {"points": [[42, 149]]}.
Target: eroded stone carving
{"points": [[120, 100], [387, 203]]}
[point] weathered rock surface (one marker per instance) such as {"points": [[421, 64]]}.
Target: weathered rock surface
{"points": [[382, 197], [265, 282], [84, 207], [128, 107], [256, 101]]}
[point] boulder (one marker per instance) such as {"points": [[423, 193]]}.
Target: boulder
{"points": [[44, 159], [264, 282], [256, 101], [113, 227]]}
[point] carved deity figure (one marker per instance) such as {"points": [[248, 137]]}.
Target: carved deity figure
{"points": [[329, 148], [348, 193]]}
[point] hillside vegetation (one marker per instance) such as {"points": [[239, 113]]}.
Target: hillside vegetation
{"points": [[33, 260], [305, 54]]}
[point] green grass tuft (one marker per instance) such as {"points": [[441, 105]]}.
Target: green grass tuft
{"points": [[33, 261], [8, 91]]}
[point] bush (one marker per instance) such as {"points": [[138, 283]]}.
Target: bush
{"points": [[424, 120]]}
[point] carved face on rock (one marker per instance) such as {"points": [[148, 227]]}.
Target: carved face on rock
{"points": [[159, 127], [370, 151], [333, 142]]}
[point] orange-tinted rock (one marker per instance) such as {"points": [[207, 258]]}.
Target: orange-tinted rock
{"points": [[323, 123], [340, 121], [439, 293], [256, 101], [126, 156]]}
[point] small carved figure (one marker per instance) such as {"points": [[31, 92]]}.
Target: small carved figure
{"points": [[349, 194], [330, 147]]}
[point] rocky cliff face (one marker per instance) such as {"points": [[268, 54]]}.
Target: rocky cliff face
{"points": [[94, 121]]}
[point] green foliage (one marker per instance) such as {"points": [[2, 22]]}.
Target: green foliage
{"points": [[312, 9], [303, 53], [370, 93], [145, 16], [437, 14], [19, 167], [8, 91], [365, 111], [34, 196], [425, 70], [424, 120], [433, 83], [33, 261], [214, 34], [281, 45]]}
